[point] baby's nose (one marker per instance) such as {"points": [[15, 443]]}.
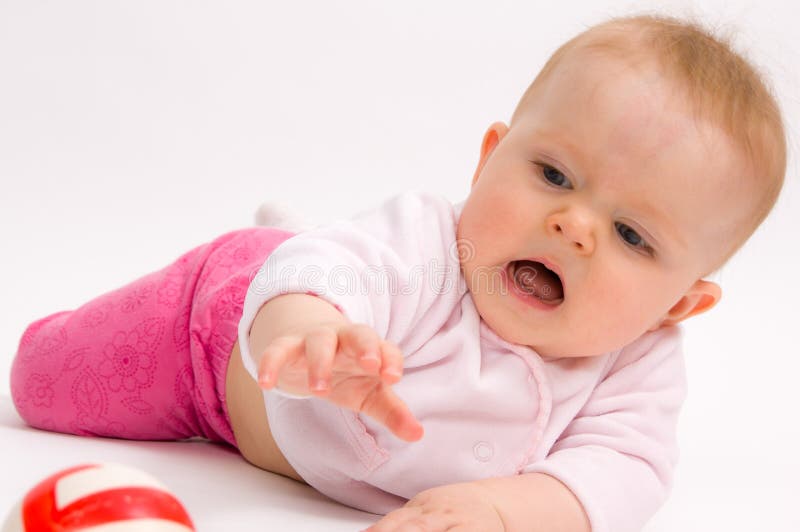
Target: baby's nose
{"points": [[575, 230]]}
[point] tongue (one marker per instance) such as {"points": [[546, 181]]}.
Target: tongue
{"points": [[537, 280]]}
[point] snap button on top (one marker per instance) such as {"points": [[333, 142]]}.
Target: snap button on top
{"points": [[483, 451]]}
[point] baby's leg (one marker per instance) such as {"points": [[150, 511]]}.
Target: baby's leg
{"points": [[148, 360]]}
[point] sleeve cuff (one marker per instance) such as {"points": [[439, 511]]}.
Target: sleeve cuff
{"points": [[596, 519]]}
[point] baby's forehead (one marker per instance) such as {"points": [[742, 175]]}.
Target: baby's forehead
{"points": [[721, 87], [634, 113], [639, 114]]}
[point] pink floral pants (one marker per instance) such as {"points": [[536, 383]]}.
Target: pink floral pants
{"points": [[146, 361]]}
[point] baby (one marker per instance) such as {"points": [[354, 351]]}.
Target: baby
{"points": [[511, 362]]}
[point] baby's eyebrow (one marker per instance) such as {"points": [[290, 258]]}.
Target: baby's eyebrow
{"points": [[661, 220]]}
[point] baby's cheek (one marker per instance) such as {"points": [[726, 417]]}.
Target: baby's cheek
{"points": [[508, 209], [614, 313]]}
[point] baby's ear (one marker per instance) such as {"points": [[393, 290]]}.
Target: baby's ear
{"points": [[491, 139], [702, 296]]}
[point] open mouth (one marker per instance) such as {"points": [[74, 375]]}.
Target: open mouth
{"points": [[536, 280]]}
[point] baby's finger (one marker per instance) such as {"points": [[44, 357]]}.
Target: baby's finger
{"points": [[320, 348], [385, 407], [392, 367], [274, 357], [362, 343]]}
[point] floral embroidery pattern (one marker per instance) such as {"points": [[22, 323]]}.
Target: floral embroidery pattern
{"points": [[133, 301], [89, 397], [169, 294], [39, 389], [128, 363], [94, 317], [180, 329], [229, 302], [242, 255]]}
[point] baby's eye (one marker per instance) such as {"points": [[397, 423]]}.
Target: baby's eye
{"points": [[554, 177], [632, 237]]}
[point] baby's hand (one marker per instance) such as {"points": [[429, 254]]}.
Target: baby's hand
{"points": [[349, 365], [463, 506]]}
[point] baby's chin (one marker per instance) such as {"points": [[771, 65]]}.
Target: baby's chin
{"points": [[559, 350], [567, 352], [565, 346], [588, 346], [557, 338]]}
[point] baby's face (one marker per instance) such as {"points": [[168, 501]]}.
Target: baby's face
{"points": [[608, 179]]}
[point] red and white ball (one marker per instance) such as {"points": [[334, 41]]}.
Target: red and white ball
{"points": [[99, 498]]}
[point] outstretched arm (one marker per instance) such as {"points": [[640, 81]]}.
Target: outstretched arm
{"points": [[303, 344], [532, 502]]}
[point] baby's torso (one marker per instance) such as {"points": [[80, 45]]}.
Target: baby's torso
{"points": [[486, 409], [482, 408], [489, 408]]}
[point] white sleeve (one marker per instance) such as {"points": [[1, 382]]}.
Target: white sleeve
{"points": [[619, 453], [390, 268]]}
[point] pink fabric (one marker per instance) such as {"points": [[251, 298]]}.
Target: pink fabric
{"points": [[146, 361]]}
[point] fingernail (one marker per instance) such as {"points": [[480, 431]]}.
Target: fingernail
{"points": [[319, 385], [265, 379], [370, 355], [392, 372]]}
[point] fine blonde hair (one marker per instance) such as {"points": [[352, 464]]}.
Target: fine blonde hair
{"points": [[723, 86]]}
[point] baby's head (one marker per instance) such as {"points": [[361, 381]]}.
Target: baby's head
{"points": [[640, 159]]}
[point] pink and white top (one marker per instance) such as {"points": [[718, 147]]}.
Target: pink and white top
{"points": [[605, 426]]}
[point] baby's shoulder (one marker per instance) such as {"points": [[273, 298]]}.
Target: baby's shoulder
{"points": [[413, 216], [652, 349]]}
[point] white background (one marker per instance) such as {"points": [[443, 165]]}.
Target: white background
{"points": [[131, 132]]}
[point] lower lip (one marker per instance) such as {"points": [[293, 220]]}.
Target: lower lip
{"points": [[522, 296]]}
